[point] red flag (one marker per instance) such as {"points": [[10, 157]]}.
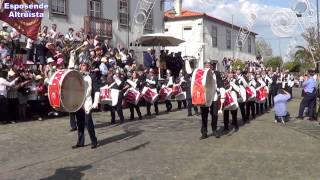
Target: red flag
{"points": [[23, 20]]}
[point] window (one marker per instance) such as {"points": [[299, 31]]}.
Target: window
{"points": [[249, 45], [58, 7], [214, 36], [162, 4], [95, 8], [123, 13], [149, 24], [228, 37], [187, 33]]}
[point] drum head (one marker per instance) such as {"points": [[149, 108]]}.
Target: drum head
{"points": [[72, 91], [210, 86]]}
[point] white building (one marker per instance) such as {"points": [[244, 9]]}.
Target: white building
{"points": [[206, 37], [110, 19]]}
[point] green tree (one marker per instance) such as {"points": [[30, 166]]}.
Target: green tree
{"points": [[292, 66], [238, 64], [274, 63]]}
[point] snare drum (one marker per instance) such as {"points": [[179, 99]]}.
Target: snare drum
{"points": [[66, 90], [251, 93], [230, 102], [165, 93], [176, 89], [132, 96], [150, 95], [261, 95], [109, 96]]}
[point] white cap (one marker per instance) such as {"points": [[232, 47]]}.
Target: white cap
{"points": [[50, 60], [5, 24], [11, 73], [104, 59]]}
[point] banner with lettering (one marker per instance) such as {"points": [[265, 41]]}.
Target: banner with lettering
{"points": [[23, 15]]}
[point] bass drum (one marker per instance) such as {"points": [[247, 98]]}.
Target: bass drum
{"points": [[66, 90], [203, 87]]}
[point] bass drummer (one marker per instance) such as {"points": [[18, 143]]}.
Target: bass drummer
{"points": [[213, 108], [84, 114]]}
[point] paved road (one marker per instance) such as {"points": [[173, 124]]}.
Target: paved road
{"points": [[166, 147]]}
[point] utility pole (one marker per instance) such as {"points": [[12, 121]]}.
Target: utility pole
{"points": [[232, 39], [318, 38]]}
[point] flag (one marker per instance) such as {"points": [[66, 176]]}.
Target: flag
{"points": [[28, 26]]}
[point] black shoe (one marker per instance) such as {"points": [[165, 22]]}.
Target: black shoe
{"points": [[216, 134], [299, 118], [226, 129], [189, 115], [204, 136], [73, 129], [311, 119], [140, 118], [94, 146], [236, 129], [77, 146], [113, 122]]}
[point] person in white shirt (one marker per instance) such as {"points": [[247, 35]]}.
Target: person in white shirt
{"points": [[3, 94], [53, 33], [30, 50], [69, 35]]}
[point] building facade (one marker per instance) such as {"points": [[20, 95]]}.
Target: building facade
{"points": [[110, 19], [207, 37]]}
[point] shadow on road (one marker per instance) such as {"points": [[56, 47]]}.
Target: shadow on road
{"points": [[124, 136], [68, 173]]}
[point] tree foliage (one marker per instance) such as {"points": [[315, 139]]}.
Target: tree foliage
{"points": [[274, 63], [238, 64], [292, 66]]}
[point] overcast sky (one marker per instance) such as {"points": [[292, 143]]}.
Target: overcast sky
{"points": [[276, 12]]}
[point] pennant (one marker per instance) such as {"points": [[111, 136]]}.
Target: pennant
{"points": [[26, 21]]}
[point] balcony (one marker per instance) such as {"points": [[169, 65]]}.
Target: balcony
{"points": [[98, 26]]}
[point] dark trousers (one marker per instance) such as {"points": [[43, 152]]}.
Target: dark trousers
{"points": [[73, 121], [85, 120], [242, 107], [284, 118], [3, 108], [168, 105], [184, 102], [213, 109], [309, 100], [13, 109], [250, 110], [259, 108], [234, 114], [189, 105], [119, 110], [156, 109], [132, 107]]}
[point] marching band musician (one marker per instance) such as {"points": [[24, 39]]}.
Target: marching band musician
{"points": [[259, 84], [83, 115], [230, 86], [240, 81], [152, 81], [187, 87], [268, 82], [136, 85], [168, 83], [213, 108], [179, 81], [118, 84], [250, 105]]}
